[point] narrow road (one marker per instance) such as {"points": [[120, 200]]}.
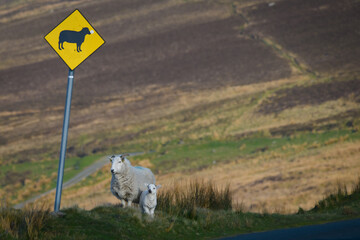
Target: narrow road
{"points": [[343, 230], [80, 176]]}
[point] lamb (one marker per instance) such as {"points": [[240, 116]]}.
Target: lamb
{"points": [[73, 37], [127, 182], [148, 199]]}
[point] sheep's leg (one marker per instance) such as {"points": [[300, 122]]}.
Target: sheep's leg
{"points": [[146, 210], [123, 203], [77, 47], [152, 212], [129, 203], [59, 46]]}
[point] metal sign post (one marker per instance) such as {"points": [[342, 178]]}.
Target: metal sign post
{"points": [[64, 141], [74, 40]]}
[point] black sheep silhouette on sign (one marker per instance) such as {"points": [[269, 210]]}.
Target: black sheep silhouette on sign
{"points": [[73, 37]]}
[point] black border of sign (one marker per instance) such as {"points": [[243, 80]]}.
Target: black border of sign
{"points": [[89, 24]]}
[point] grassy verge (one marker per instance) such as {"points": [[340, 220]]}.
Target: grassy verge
{"points": [[200, 210], [347, 200]]}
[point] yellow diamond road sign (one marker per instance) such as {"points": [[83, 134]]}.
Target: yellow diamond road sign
{"points": [[74, 39]]}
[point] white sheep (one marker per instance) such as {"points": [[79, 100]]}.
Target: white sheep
{"points": [[148, 199], [127, 182]]}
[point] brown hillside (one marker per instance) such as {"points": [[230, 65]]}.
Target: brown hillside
{"points": [[156, 44], [188, 77]]}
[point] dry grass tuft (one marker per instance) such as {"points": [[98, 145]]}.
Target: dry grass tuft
{"points": [[184, 199], [340, 196], [25, 223]]}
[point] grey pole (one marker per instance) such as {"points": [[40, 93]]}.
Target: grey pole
{"points": [[64, 141]]}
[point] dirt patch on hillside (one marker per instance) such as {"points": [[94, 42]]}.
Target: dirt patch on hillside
{"points": [[311, 95], [14, 178]]}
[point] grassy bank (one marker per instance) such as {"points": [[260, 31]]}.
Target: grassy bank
{"points": [[185, 213]]}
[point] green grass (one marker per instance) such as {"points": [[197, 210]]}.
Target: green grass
{"points": [[196, 154], [195, 220], [348, 201], [34, 171], [73, 165]]}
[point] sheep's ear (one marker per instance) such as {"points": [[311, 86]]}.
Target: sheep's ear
{"points": [[111, 158], [158, 186], [122, 156]]}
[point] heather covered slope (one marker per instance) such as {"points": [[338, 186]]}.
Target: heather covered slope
{"points": [[152, 48], [321, 33]]}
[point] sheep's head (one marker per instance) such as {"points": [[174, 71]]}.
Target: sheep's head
{"points": [[152, 188], [87, 31], [117, 163]]}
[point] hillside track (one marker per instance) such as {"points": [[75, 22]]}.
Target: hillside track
{"points": [[79, 177]]}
